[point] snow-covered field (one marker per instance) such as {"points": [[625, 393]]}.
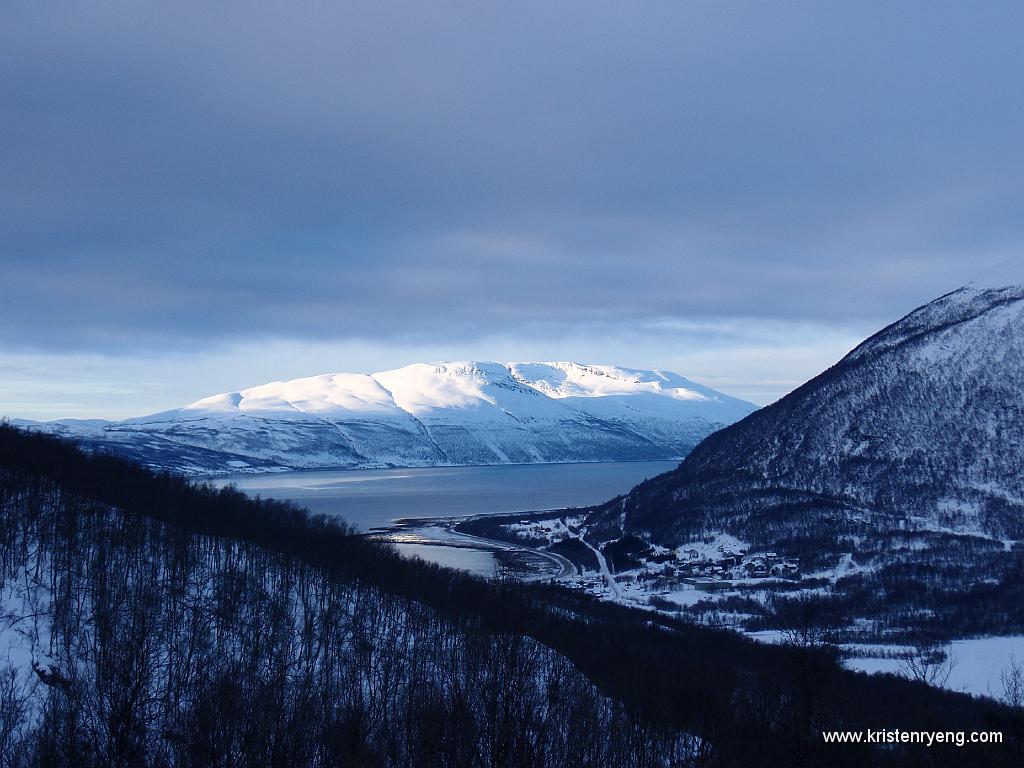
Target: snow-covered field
{"points": [[976, 664]]}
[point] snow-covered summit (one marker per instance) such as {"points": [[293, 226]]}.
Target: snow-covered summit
{"points": [[1005, 274], [424, 387], [562, 380], [428, 414]]}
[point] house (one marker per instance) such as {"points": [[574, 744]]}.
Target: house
{"points": [[708, 585], [756, 568]]}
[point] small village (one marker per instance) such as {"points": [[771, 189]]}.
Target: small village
{"points": [[721, 564], [677, 578], [732, 566]]}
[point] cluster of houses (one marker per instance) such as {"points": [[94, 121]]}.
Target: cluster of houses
{"points": [[704, 569], [707, 572], [696, 569]]}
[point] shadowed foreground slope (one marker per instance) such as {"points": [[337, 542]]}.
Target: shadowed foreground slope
{"points": [[166, 624]]}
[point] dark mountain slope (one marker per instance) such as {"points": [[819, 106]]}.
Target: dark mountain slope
{"points": [[918, 428]]}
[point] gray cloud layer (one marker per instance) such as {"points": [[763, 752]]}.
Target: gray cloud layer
{"points": [[186, 173]]}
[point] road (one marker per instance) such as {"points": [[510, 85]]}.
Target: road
{"points": [[565, 566], [601, 562]]}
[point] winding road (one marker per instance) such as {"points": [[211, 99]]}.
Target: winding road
{"points": [[602, 563], [565, 566]]}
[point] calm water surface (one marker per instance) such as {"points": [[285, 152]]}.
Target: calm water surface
{"points": [[374, 498]]}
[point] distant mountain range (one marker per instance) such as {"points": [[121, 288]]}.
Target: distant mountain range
{"points": [[424, 415], [921, 427]]}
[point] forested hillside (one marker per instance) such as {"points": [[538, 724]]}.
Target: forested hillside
{"points": [[149, 622]]}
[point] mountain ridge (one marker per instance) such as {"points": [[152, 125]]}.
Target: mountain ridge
{"points": [[919, 425], [423, 414]]}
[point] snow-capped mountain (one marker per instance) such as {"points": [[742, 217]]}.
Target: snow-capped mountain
{"points": [[426, 415], [921, 427]]}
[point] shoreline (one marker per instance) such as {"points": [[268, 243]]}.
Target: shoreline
{"points": [[416, 531], [257, 471]]}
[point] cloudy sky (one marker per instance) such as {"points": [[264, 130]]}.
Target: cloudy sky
{"points": [[202, 197]]}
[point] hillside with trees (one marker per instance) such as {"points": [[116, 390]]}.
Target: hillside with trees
{"points": [[147, 621]]}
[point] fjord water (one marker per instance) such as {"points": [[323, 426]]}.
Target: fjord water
{"points": [[375, 498]]}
